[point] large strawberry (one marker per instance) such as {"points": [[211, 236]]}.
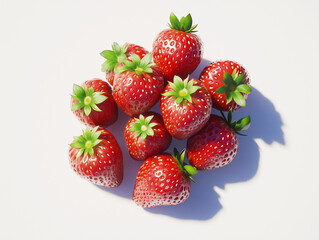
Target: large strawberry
{"points": [[116, 57], [185, 106], [97, 157], [146, 136], [216, 144], [138, 85], [177, 51], [163, 179], [227, 83], [93, 103]]}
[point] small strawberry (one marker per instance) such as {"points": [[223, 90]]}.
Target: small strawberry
{"points": [[185, 106], [116, 57], [97, 157], [216, 144], [93, 103], [138, 85], [146, 136], [163, 179], [177, 51], [227, 83]]}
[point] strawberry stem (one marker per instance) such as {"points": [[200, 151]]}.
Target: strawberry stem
{"points": [[113, 57], [143, 127], [181, 90], [86, 99], [184, 24], [137, 65], [238, 126], [187, 169], [87, 142], [234, 87]]}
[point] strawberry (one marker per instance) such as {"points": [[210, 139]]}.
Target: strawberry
{"points": [[116, 56], [216, 144], [138, 85], [93, 103], [146, 136], [227, 83], [97, 157], [177, 51], [185, 106], [163, 179]]}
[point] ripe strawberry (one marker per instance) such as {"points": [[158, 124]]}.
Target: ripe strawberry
{"points": [[97, 157], [227, 83], [138, 85], [93, 103], [216, 144], [185, 106], [163, 179], [177, 51], [146, 136], [116, 57]]}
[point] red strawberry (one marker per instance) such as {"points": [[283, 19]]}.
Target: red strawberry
{"points": [[146, 136], [227, 83], [216, 144], [93, 103], [116, 57], [138, 85], [177, 51], [163, 180], [97, 157], [185, 106]]}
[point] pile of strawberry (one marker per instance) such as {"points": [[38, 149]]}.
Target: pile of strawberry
{"points": [[136, 84]]}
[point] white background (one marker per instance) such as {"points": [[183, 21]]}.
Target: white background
{"points": [[270, 190]]}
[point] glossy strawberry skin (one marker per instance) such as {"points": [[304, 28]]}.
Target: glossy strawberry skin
{"points": [[109, 112], [177, 53], [214, 146], [160, 181], [105, 166], [131, 49], [212, 76], [184, 120], [137, 94], [141, 149]]}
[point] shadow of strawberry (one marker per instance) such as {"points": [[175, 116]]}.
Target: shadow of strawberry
{"points": [[203, 202]]}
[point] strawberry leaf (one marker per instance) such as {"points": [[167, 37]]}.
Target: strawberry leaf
{"points": [[244, 88], [234, 88], [143, 127], [184, 24], [222, 89], [86, 142], [239, 78], [113, 57], [174, 22], [238, 98], [243, 124]]}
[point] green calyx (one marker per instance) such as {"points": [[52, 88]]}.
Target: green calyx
{"points": [[187, 169], [87, 142], [137, 65], [184, 24], [234, 87], [238, 126], [182, 90], [143, 127], [87, 99], [113, 57]]}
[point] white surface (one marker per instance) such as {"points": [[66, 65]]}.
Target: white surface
{"points": [[270, 191]]}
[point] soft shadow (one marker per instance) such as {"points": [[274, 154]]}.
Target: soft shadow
{"points": [[199, 69], [203, 202]]}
